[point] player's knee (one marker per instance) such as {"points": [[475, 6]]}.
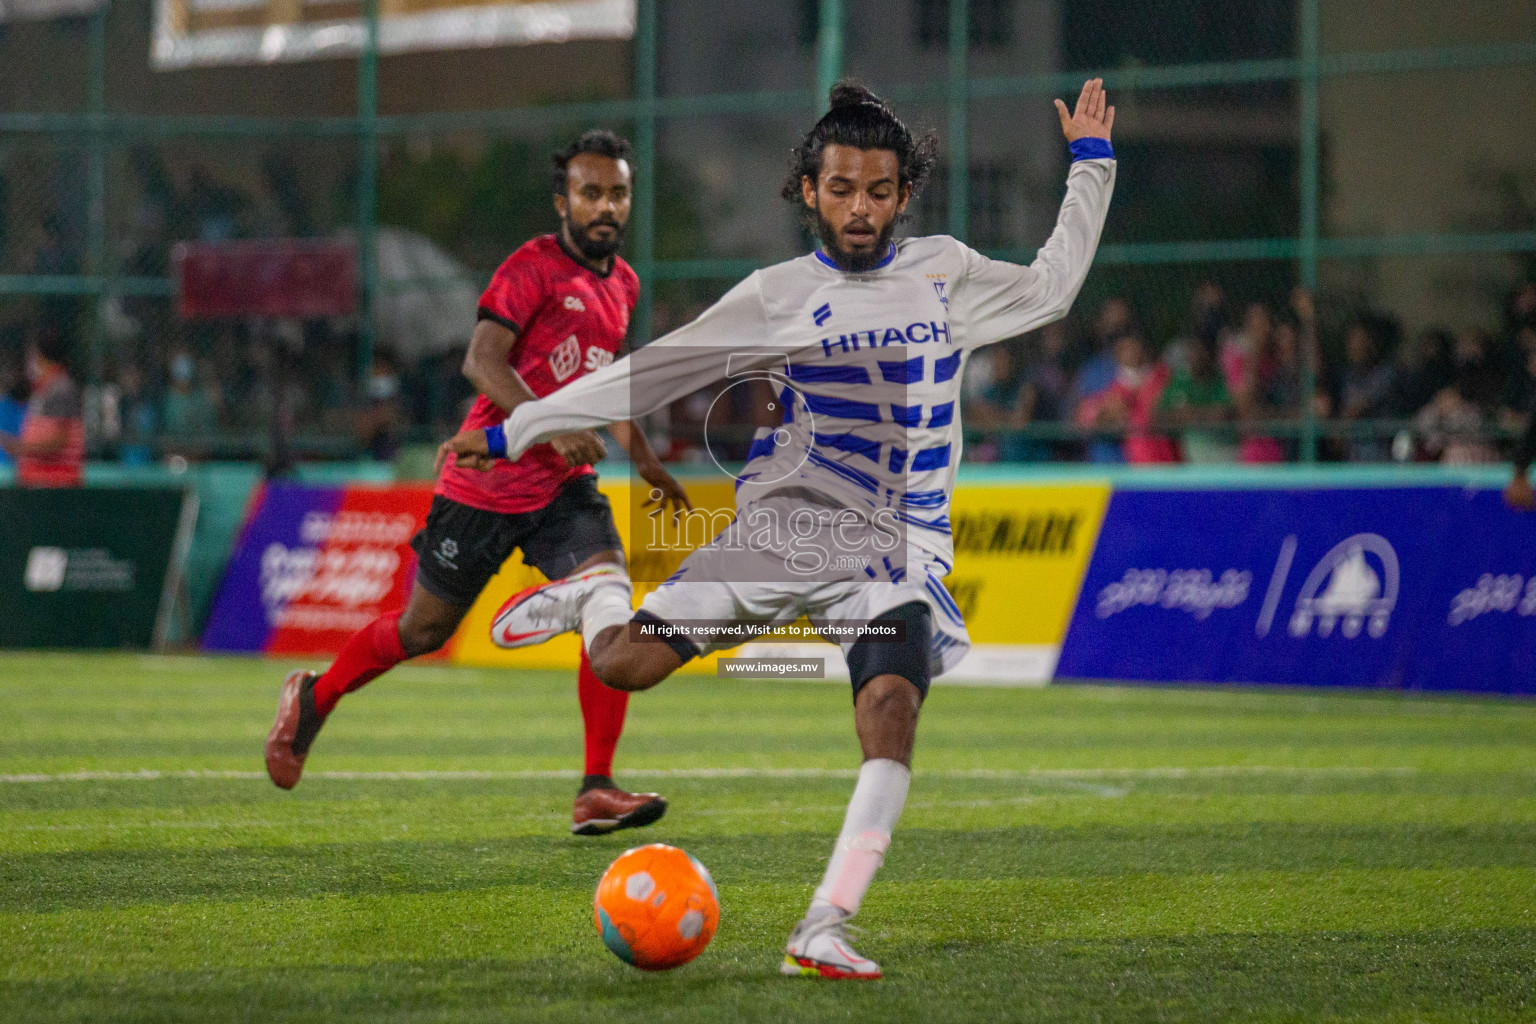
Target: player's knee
{"points": [[890, 698], [624, 667], [616, 672], [421, 635]]}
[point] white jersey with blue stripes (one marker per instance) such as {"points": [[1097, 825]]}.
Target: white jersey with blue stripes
{"points": [[868, 364]]}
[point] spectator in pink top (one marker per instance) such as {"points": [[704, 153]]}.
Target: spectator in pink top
{"points": [[1130, 402], [1246, 353]]}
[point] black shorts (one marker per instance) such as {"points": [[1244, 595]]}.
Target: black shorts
{"points": [[462, 547]]}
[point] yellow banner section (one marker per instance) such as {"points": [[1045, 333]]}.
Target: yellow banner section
{"points": [[1020, 556], [1021, 553]]}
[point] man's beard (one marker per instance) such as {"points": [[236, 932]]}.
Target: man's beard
{"points": [[854, 262], [590, 247]]}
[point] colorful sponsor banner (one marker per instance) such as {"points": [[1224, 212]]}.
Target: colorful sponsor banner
{"points": [[1410, 587], [1020, 555], [314, 565], [1418, 588]]}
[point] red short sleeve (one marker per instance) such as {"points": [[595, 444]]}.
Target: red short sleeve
{"points": [[515, 292]]}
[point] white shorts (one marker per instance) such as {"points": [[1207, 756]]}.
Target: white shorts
{"points": [[730, 581]]}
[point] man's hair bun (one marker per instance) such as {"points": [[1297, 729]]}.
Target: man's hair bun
{"points": [[863, 120], [851, 94]]}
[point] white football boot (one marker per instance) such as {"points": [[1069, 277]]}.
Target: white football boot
{"points": [[820, 949], [541, 613]]}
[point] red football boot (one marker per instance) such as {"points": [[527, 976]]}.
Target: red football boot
{"points": [[295, 729], [607, 809]]}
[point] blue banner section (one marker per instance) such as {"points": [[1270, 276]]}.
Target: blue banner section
{"points": [[1430, 588], [260, 576]]}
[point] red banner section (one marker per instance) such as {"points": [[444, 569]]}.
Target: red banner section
{"points": [[275, 277]]}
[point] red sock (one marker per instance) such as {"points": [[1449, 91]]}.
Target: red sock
{"points": [[372, 651], [602, 713]]}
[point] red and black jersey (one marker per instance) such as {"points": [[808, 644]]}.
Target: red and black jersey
{"points": [[570, 320]]}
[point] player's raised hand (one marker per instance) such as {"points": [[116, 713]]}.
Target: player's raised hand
{"points": [[1092, 119], [470, 450], [579, 449]]}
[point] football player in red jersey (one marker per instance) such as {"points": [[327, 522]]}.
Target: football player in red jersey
{"points": [[557, 309]]}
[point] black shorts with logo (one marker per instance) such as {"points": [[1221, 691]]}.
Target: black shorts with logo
{"points": [[462, 547]]}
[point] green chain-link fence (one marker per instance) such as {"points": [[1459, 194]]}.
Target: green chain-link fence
{"points": [[1377, 155]]}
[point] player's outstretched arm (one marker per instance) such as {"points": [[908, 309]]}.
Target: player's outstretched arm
{"points": [[472, 448], [486, 366], [1002, 300], [678, 364]]}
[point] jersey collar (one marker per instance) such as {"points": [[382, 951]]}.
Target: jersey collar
{"points": [[889, 257]]}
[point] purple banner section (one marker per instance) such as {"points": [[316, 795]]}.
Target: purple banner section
{"points": [[252, 594], [1408, 588]]}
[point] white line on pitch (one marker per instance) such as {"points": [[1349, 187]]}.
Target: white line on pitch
{"points": [[151, 774]]}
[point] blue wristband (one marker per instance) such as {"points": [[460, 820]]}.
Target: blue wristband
{"points": [[1088, 148], [496, 440]]}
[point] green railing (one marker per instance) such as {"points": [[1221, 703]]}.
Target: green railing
{"points": [[98, 130]]}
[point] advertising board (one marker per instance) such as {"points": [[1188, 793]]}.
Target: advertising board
{"points": [[315, 564], [91, 567], [1401, 587]]}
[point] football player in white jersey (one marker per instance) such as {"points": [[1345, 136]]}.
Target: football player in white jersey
{"points": [[843, 511]]}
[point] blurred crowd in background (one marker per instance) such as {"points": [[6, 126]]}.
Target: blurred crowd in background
{"points": [[1230, 385], [1233, 386]]}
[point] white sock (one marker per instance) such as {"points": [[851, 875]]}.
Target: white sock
{"points": [[872, 812], [608, 603]]}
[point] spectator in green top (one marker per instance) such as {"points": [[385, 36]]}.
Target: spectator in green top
{"points": [[1197, 401]]}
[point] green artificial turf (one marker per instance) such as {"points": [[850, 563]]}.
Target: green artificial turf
{"points": [[1073, 853]]}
